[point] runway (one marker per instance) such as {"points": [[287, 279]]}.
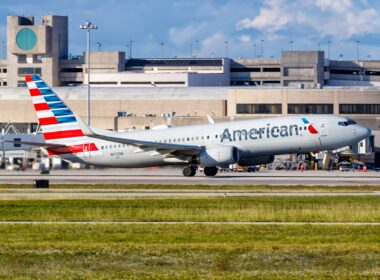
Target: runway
{"points": [[75, 194], [173, 176]]}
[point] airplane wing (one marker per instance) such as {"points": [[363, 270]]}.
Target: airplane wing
{"points": [[35, 144], [171, 148], [183, 149]]}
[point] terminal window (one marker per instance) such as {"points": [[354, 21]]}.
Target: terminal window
{"points": [[29, 70], [359, 108], [258, 108], [310, 108]]}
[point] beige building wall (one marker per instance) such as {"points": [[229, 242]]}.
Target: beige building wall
{"points": [[287, 96]]}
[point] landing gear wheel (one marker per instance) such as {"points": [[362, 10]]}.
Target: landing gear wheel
{"points": [[189, 171], [210, 171]]}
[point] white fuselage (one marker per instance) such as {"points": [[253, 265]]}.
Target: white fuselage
{"points": [[253, 138]]}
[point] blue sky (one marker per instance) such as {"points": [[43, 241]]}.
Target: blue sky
{"points": [[310, 24]]}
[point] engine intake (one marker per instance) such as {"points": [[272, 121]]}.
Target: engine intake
{"points": [[220, 155]]}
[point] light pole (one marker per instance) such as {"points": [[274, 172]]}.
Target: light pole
{"points": [[357, 49], [99, 45], [88, 26], [226, 45], [328, 49], [291, 45], [130, 49], [254, 51], [196, 48], [191, 50], [162, 49], [127, 53], [262, 48]]}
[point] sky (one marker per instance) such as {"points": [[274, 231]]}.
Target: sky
{"points": [[180, 28]]}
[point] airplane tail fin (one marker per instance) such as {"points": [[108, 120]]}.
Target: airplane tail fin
{"points": [[58, 123]]}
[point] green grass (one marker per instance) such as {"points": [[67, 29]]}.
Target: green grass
{"points": [[255, 188], [280, 209], [189, 252]]}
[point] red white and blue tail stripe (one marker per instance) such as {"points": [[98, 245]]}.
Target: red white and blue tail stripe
{"points": [[58, 123]]}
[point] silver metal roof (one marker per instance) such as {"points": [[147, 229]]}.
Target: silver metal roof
{"points": [[205, 93]]}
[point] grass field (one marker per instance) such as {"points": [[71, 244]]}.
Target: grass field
{"points": [[279, 209], [189, 252]]}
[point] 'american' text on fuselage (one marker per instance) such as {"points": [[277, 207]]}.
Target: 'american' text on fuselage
{"points": [[259, 133]]}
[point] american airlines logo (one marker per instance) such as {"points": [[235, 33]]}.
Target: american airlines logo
{"points": [[310, 127], [265, 132]]}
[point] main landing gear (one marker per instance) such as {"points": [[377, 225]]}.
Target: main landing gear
{"points": [[210, 171], [189, 171]]}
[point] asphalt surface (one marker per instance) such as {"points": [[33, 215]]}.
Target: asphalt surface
{"points": [[173, 176], [76, 194]]}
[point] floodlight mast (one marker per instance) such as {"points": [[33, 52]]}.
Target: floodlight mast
{"points": [[88, 26]]}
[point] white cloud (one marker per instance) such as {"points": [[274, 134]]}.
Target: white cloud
{"points": [[213, 43], [341, 19], [185, 34], [245, 38], [272, 17], [339, 6]]}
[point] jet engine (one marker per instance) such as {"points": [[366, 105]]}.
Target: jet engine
{"points": [[219, 155], [256, 160]]}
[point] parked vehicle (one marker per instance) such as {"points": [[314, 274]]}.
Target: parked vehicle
{"points": [[346, 166]]}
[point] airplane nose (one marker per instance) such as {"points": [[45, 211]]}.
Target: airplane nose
{"points": [[364, 132]]}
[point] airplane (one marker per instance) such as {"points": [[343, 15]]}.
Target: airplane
{"points": [[212, 145]]}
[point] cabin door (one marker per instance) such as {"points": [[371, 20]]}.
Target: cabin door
{"points": [[86, 150]]}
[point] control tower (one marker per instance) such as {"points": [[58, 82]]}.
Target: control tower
{"points": [[36, 49]]}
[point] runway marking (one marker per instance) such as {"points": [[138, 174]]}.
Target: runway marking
{"points": [[184, 223], [179, 194]]}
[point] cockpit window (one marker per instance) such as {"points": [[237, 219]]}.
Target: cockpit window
{"points": [[343, 123], [347, 123]]}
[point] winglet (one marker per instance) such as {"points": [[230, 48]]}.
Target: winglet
{"points": [[85, 128], [210, 119]]}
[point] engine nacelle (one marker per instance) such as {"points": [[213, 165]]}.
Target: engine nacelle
{"points": [[219, 155], [256, 160]]}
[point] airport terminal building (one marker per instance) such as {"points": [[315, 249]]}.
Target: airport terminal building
{"points": [[135, 93]]}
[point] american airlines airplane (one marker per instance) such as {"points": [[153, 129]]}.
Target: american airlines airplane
{"points": [[247, 142]]}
